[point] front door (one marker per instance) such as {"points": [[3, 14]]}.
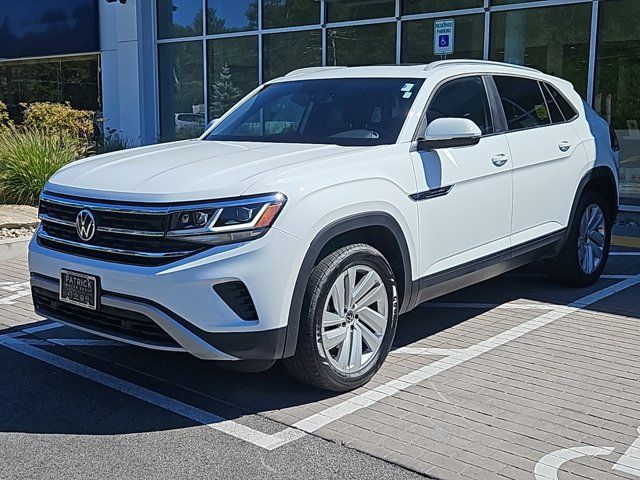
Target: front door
{"points": [[465, 193]]}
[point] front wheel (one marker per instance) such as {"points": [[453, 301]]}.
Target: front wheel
{"points": [[348, 321], [584, 255]]}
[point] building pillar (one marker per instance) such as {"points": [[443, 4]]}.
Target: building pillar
{"points": [[127, 39]]}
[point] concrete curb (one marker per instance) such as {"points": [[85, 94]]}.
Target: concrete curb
{"points": [[13, 247]]}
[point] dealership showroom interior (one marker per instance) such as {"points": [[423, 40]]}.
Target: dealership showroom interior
{"points": [[454, 294]]}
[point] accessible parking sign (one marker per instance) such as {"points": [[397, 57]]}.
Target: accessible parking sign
{"points": [[443, 36]]}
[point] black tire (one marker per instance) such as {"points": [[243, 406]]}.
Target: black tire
{"points": [[565, 267], [309, 364]]}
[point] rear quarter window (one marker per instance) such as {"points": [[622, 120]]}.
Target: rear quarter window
{"points": [[523, 103], [566, 108]]}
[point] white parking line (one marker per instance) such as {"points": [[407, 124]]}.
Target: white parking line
{"points": [[549, 465], [491, 306], [41, 328], [248, 434], [336, 412], [452, 358], [443, 352], [70, 342], [629, 254]]}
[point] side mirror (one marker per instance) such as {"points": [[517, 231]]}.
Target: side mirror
{"points": [[212, 123], [449, 133]]}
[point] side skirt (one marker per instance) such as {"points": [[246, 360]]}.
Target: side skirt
{"points": [[482, 269]]}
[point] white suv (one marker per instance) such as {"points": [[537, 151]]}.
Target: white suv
{"points": [[323, 205]]}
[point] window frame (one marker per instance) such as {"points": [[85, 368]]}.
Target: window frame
{"points": [[496, 116]]}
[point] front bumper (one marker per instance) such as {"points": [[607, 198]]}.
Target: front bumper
{"points": [[179, 298]]}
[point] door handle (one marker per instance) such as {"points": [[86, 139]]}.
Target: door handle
{"points": [[500, 159], [564, 146]]}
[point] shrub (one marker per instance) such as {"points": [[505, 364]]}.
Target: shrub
{"points": [[28, 157], [113, 141], [5, 121], [59, 117]]}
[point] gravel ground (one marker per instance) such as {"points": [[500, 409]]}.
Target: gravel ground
{"points": [[6, 233]]}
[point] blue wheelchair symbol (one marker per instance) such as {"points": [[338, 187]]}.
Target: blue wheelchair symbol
{"points": [[443, 40]]}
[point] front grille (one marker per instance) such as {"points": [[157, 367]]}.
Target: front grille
{"points": [[132, 234], [110, 320]]}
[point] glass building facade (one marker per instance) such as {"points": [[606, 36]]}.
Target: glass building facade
{"points": [[213, 52], [161, 69], [49, 51]]}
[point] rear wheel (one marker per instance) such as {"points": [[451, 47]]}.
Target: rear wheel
{"points": [[348, 320], [585, 253]]}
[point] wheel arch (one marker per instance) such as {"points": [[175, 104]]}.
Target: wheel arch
{"points": [[378, 229], [602, 180]]}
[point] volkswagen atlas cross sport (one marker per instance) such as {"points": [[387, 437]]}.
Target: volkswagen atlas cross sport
{"points": [[323, 205]]}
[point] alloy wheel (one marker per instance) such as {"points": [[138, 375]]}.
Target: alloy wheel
{"points": [[591, 239], [354, 319]]}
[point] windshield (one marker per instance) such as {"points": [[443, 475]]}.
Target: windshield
{"points": [[346, 111]]}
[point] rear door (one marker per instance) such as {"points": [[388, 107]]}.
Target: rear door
{"points": [[546, 153], [464, 193]]}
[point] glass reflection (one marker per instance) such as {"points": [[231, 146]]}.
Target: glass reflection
{"points": [[233, 71], [73, 80], [181, 75], [284, 52], [30, 28], [616, 90], [552, 39], [232, 16], [179, 18], [362, 45]]}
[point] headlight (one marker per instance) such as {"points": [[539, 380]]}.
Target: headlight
{"points": [[231, 221]]}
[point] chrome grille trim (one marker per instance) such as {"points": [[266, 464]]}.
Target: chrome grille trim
{"points": [[124, 231], [105, 207], [57, 221], [115, 251]]}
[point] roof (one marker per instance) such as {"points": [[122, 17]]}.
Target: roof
{"points": [[405, 71]]}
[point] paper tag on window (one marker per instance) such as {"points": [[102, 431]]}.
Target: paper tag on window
{"points": [[407, 95], [407, 87]]}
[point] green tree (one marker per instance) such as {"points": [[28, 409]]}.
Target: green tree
{"points": [[224, 93]]}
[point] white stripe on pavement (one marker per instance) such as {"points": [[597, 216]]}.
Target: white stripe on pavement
{"points": [[549, 465], [331, 414], [443, 352], [41, 328], [248, 434], [70, 342], [491, 306]]}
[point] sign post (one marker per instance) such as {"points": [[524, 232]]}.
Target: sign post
{"points": [[444, 37]]}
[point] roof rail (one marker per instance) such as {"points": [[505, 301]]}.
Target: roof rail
{"points": [[445, 63], [301, 71]]}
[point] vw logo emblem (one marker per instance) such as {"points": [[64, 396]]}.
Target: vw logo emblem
{"points": [[85, 225]]}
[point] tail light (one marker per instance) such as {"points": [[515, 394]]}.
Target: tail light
{"points": [[615, 145]]}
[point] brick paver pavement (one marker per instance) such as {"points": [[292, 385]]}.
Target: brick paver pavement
{"points": [[484, 383]]}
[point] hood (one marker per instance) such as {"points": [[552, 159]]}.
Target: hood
{"points": [[183, 171]]}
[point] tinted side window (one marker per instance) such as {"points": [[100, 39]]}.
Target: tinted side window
{"points": [[523, 102], [567, 109], [554, 110], [462, 98]]}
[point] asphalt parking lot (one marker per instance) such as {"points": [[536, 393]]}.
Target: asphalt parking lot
{"points": [[514, 378]]}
